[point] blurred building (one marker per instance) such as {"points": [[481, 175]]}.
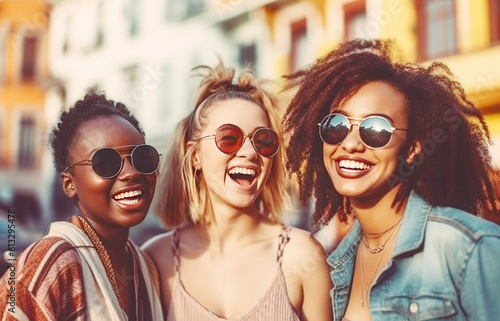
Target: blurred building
{"points": [[27, 98], [142, 53]]}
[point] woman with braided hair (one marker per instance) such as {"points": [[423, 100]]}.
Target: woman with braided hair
{"points": [[400, 147], [230, 256]]}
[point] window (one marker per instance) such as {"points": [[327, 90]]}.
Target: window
{"points": [[194, 7], [29, 58], [248, 55], [3, 153], [182, 9], [134, 17], [99, 37], [436, 30], [495, 21], [4, 31], [354, 20], [298, 50], [26, 153]]}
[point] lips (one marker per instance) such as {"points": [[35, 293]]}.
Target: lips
{"points": [[128, 198], [242, 175], [352, 168]]}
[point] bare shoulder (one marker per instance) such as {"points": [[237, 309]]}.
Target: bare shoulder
{"points": [[159, 245], [303, 244], [159, 249]]}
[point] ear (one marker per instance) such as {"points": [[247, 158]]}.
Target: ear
{"points": [[195, 155], [68, 185], [414, 151]]}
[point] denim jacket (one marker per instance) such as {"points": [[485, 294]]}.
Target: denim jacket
{"points": [[446, 266]]}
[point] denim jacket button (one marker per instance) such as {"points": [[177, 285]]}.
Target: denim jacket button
{"points": [[414, 307]]}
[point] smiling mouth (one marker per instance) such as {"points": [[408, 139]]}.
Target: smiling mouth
{"points": [[128, 198], [352, 165], [242, 176]]}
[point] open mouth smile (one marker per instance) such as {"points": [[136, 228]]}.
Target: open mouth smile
{"points": [[128, 198], [243, 176], [349, 168]]}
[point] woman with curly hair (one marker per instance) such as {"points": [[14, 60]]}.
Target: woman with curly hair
{"points": [[87, 268], [223, 191], [400, 147]]}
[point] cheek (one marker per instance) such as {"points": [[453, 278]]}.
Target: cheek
{"points": [[152, 181], [93, 189], [328, 151]]}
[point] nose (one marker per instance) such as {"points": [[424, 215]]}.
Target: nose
{"points": [[247, 149], [352, 143], [128, 170]]}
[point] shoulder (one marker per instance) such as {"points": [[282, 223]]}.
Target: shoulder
{"points": [[303, 249], [49, 261], [304, 241], [463, 223], [159, 249], [49, 251], [157, 245]]}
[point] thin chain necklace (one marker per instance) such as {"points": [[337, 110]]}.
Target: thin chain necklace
{"points": [[364, 293], [104, 256], [381, 247], [377, 235]]}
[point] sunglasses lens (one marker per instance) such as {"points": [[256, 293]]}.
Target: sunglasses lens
{"points": [[266, 142], [106, 162], [375, 131], [229, 139], [145, 159], [333, 129]]}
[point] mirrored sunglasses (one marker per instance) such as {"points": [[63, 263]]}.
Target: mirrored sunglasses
{"points": [[374, 131], [107, 162], [230, 138]]}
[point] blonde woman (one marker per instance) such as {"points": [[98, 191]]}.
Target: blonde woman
{"points": [[230, 256]]}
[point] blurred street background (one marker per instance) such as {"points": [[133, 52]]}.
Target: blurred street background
{"points": [[141, 53]]}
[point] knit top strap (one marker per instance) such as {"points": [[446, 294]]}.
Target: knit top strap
{"points": [[283, 240], [176, 250]]}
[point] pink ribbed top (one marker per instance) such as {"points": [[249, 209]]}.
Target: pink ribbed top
{"points": [[273, 306]]}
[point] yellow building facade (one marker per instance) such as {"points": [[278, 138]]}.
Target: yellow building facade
{"points": [[464, 34], [24, 77]]}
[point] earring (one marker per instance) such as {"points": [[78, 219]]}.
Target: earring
{"points": [[71, 187]]}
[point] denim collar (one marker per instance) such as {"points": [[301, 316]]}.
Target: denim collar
{"points": [[410, 237]]}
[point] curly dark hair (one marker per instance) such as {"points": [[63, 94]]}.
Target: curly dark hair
{"points": [[454, 166], [92, 106]]}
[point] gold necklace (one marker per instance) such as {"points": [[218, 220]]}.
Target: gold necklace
{"points": [[364, 293], [377, 235], [381, 247], [104, 256]]}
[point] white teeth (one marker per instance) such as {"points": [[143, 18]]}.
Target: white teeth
{"points": [[123, 195], [241, 170], [128, 202], [351, 164]]}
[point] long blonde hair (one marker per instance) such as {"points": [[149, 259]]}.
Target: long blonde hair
{"points": [[183, 191]]}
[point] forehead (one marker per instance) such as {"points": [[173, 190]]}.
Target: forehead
{"points": [[242, 113], [375, 97], [103, 131]]}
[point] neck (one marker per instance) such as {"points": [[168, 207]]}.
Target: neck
{"points": [[378, 216], [231, 227], [114, 239]]}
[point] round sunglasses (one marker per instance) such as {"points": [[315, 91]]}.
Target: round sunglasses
{"points": [[107, 162], [229, 139], [375, 131]]}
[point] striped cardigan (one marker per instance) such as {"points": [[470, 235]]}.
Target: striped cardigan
{"points": [[62, 278]]}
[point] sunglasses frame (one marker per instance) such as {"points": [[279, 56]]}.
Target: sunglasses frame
{"points": [[83, 162], [361, 120], [250, 136]]}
